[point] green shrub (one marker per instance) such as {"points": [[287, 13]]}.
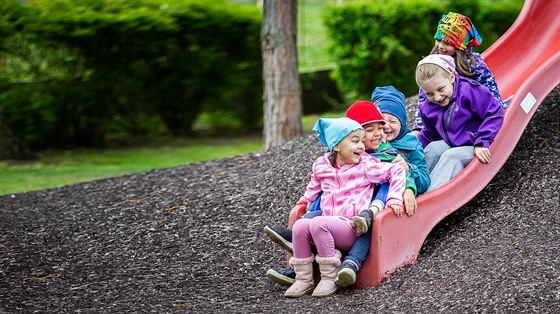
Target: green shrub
{"points": [[381, 43], [112, 61]]}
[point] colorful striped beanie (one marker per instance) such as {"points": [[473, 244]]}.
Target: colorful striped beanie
{"points": [[458, 31]]}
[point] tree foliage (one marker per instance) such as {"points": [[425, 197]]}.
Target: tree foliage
{"points": [[91, 67], [380, 43]]}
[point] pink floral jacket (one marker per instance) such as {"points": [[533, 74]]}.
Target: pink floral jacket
{"points": [[347, 190]]}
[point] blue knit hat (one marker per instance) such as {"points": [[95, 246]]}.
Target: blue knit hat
{"points": [[389, 100], [331, 131]]}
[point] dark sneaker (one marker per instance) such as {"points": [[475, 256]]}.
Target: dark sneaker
{"points": [[282, 236], [362, 222], [347, 275], [284, 277]]}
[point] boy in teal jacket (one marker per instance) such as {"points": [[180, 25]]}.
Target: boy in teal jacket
{"points": [[391, 104]]}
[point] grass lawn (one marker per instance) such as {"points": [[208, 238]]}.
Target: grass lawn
{"points": [[58, 168], [312, 37]]}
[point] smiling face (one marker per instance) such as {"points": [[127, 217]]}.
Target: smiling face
{"points": [[374, 135], [393, 126], [439, 88], [350, 149], [444, 49]]}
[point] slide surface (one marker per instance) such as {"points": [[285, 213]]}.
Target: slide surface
{"points": [[526, 64]]}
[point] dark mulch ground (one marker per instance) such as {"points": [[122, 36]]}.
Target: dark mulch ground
{"points": [[190, 238]]}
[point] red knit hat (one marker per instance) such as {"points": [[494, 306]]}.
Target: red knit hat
{"points": [[364, 112]]}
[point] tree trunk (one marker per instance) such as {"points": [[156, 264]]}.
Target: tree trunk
{"points": [[282, 90]]}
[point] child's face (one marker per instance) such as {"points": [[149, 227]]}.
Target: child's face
{"points": [[393, 126], [439, 89], [444, 48], [350, 149], [374, 135]]}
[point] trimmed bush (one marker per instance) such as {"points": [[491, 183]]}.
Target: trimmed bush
{"points": [[381, 43], [111, 62]]}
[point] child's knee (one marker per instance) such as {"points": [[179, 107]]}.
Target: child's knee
{"points": [[317, 225], [300, 227], [461, 154]]}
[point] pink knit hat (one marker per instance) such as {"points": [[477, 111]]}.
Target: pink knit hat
{"points": [[364, 112], [443, 61]]}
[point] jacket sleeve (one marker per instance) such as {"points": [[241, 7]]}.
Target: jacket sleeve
{"points": [[489, 110], [392, 173], [429, 132], [313, 187], [417, 119], [410, 184], [483, 75], [419, 169]]}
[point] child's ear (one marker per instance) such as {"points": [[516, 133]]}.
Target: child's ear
{"points": [[452, 78], [336, 148]]}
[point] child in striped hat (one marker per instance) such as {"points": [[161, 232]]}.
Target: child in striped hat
{"points": [[456, 36]]}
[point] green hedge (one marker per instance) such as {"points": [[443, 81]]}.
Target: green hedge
{"points": [[77, 71], [380, 43], [87, 68]]}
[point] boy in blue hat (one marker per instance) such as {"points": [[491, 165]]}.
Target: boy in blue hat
{"points": [[392, 105]]}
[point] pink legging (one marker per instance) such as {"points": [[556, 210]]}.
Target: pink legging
{"points": [[328, 233]]}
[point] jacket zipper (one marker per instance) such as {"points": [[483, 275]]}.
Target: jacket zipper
{"points": [[446, 123], [332, 198]]}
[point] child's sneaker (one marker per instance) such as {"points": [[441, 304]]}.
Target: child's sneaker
{"points": [[282, 236], [347, 274], [286, 276], [362, 222]]}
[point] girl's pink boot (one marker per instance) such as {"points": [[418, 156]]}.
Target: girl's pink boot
{"points": [[304, 277], [329, 267]]}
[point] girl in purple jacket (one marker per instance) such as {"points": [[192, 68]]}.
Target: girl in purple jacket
{"points": [[456, 36], [346, 175], [461, 118]]}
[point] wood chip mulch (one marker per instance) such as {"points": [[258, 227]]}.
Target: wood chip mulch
{"points": [[189, 239]]}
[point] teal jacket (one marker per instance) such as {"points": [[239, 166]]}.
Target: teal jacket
{"points": [[411, 149], [387, 153]]}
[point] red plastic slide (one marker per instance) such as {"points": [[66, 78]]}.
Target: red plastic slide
{"points": [[526, 64]]}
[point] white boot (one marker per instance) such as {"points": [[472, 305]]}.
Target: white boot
{"points": [[304, 277], [329, 267]]}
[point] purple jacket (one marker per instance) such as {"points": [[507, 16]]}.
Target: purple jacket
{"points": [[472, 118]]}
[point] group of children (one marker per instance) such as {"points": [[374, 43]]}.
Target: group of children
{"points": [[375, 162]]}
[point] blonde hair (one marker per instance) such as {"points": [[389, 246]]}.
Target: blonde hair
{"points": [[462, 59], [427, 71]]}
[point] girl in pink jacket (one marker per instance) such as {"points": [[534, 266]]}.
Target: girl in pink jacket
{"points": [[346, 175]]}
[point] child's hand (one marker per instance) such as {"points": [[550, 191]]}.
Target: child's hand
{"points": [[409, 201], [399, 160], [483, 154], [397, 209]]}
